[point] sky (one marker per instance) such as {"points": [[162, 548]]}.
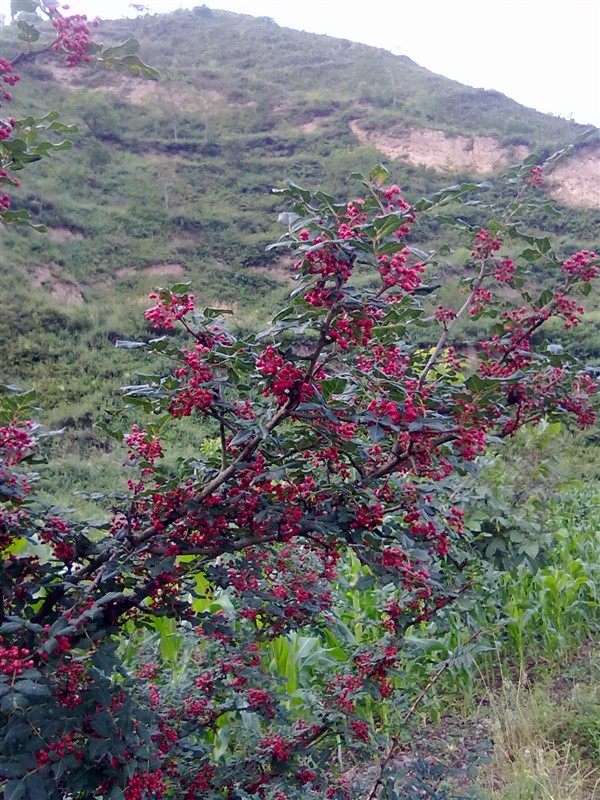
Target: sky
{"points": [[543, 53]]}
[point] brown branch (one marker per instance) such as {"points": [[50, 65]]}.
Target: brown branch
{"points": [[30, 56], [398, 457], [226, 546], [59, 591], [448, 331], [410, 713], [323, 336], [223, 446], [222, 420]]}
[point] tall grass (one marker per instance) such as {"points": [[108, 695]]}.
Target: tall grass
{"points": [[545, 747]]}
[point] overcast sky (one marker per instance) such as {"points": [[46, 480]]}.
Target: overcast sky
{"points": [[542, 53]]}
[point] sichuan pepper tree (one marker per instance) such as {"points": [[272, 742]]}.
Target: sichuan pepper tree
{"points": [[330, 437]]}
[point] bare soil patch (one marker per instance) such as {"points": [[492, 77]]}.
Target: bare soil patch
{"points": [[47, 277], [309, 127], [185, 239], [280, 270], [63, 234], [61, 74], [140, 92], [313, 124], [480, 155], [576, 180]]}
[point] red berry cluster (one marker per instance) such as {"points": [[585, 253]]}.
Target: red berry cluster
{"points": [[535, 177], [287, 382], [15, 441], [485, 245], [7, 78], [72, 36], [583, 266], [142, 446], [398, 272], [142, 785], [171, 307], [13, 660]]}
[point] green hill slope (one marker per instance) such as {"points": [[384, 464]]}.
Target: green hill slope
{"points": [[173, 180]]}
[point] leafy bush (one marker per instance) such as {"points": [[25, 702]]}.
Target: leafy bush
{"points": [[331, 438]]}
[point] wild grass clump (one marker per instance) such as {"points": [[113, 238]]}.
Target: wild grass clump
{"points": [[541, 744]]}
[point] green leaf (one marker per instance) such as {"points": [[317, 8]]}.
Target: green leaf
{"points": [[35, 786], [332, 386], [101, 692], [544, 244], [12, 701], [296, 191], [32, 690], [105, 659], [124, 58], [211, 313], [28, 32], [103, 724], [532, 549], [129, 47], [93, 48], [531, 255], [180, 288], [14, 790], [62, 128], [544, 298], [378, 174], [477, 384], [15, 769], [46, 147], [364, 583], [376, 433], [241, 437], [21, 217], [288, 218], [12, 626], [427, 645]]}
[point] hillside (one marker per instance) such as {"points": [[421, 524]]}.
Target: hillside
{"points": [[173, 179]]}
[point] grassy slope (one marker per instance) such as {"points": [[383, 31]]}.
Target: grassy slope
{"points": [[180, 174]]}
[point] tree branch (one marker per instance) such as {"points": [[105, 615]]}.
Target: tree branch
{"points": [[396, 739], [447, 333], [30, 56]]}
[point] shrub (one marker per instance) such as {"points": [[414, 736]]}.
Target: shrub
{"points": [[329, 436]]}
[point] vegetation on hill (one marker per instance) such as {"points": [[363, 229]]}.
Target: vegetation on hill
{"points": [[174, 180]]}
